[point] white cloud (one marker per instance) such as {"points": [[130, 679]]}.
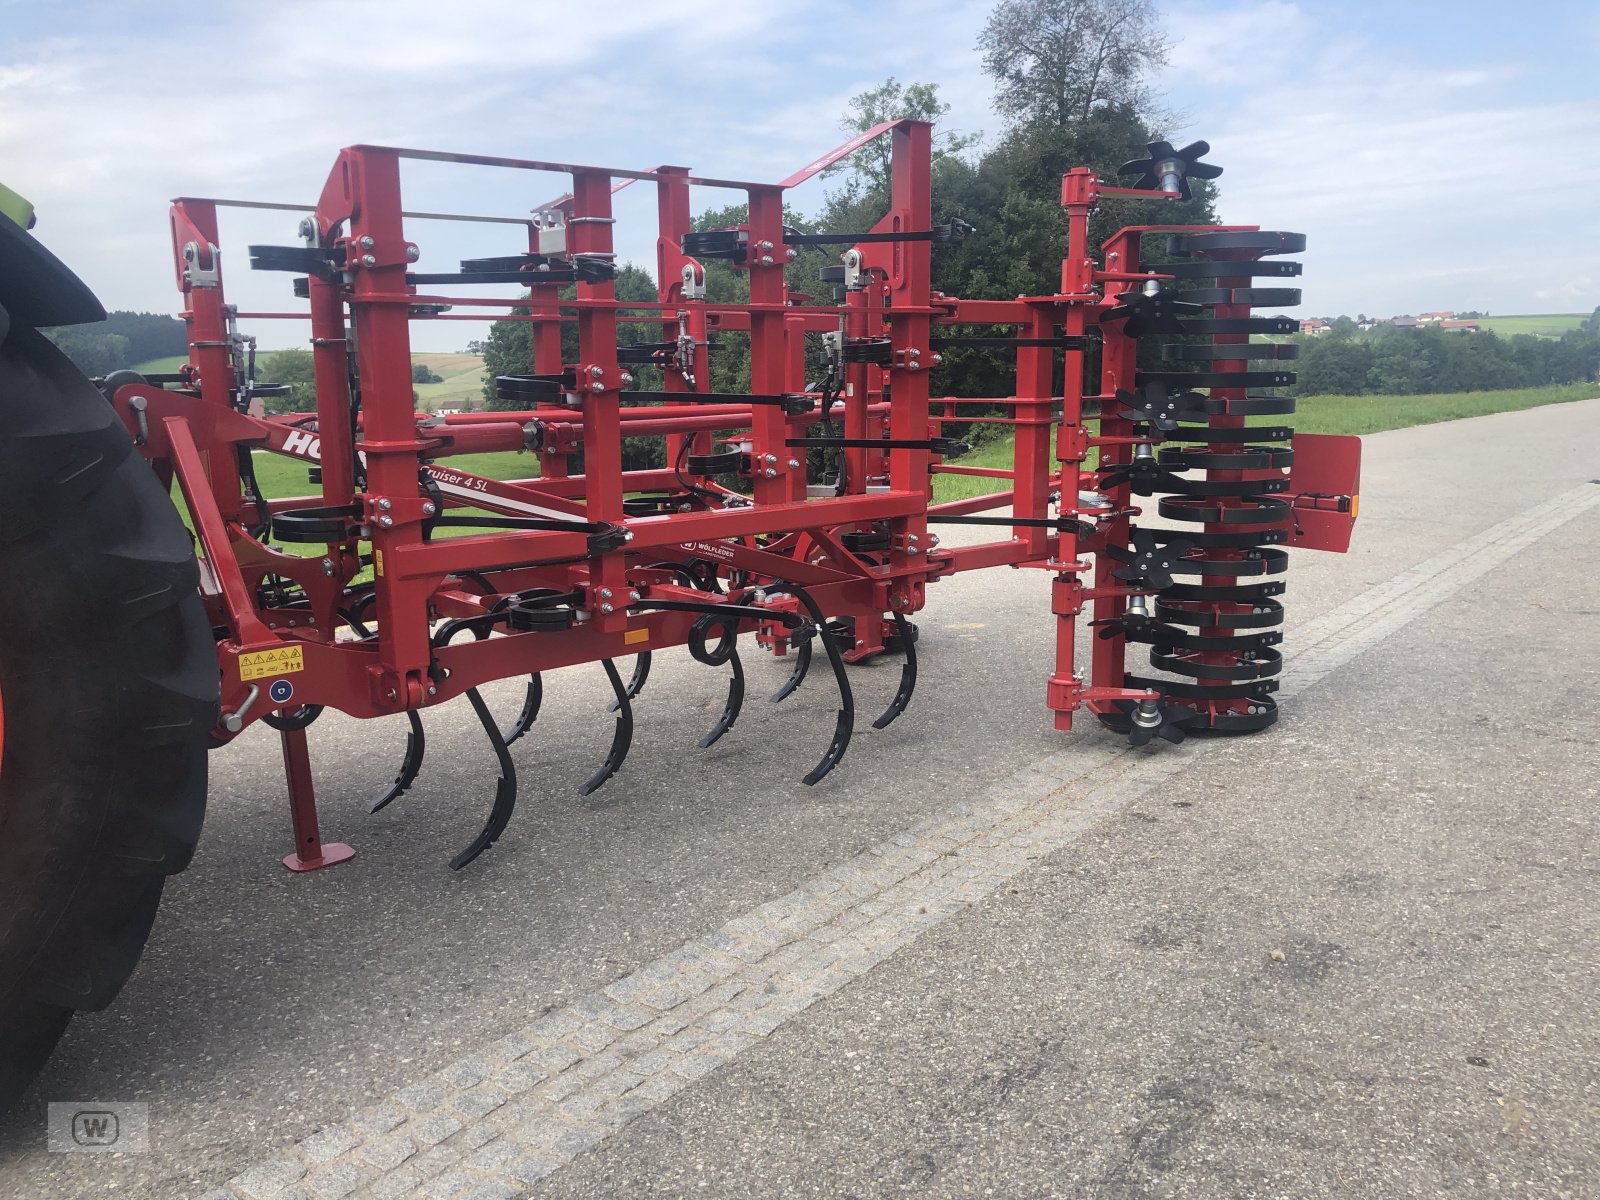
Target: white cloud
{"points": [[1421, 184]]}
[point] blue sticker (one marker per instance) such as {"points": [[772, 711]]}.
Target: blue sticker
{"points": [[281, 691]]}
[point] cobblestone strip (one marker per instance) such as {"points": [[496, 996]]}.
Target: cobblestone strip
{"points": [[491, 1125]]}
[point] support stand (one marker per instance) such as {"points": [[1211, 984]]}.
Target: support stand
{"points": [[310, 853]]}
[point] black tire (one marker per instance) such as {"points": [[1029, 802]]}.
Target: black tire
{"points": [[108, 687]]}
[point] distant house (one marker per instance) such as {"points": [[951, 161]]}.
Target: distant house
{"points": [[1314, 326], [1366, 323], [1405, 322], [1431, 318], [1464, 326]]}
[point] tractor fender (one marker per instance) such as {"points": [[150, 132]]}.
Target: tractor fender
{"points": [[36, 288]]}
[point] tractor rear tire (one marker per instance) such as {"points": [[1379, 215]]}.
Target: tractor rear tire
{"points": [[108, 688]]}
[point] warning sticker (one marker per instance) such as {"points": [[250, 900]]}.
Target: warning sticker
{"points": [[263, 664], [632, 637]]}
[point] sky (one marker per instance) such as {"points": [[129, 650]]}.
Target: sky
{"points": [[1437, 155]]}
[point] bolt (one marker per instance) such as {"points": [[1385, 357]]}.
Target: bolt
{"points": [[390, 694], [412, 254], [626, 379], [793, 463], [770, 473], [933, 539], [766, 245], [769, 458], [291, 623], [633, 595], [327, 567], [366, 242], [605, 608], [369, 260], [605, 593], [432, 691], [429, 508], [766, 260], [384, 505], [596, 372], [792, 253], [386, 522], [913, 366], [597, 386]]}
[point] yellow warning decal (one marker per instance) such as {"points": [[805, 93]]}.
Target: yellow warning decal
{"points": [[632, 637], [377, 563], [264, 664]]}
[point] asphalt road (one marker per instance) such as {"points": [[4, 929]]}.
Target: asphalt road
{"points": [[1356, 953]]}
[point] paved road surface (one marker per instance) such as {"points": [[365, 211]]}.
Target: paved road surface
{"points": [[1356, 954]]}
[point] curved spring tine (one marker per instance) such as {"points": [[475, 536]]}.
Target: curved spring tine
{"points": [[621, 739], [641, 672], [802, 664], [531, 700], [908, 675], [416, 747], [845, 724], [730, 711], [505, 790]]}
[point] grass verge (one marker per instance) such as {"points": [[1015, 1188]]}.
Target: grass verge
{"points": [[1321, 414]]}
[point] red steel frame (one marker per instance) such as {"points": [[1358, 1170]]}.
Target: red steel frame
{"points": [[191, 433]]}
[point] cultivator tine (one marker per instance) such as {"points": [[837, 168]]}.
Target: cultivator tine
{"points": [[505, 791], [531, 700], [908, 675], [621, 739], [641, 672], [801, 640], [416, 747], [845, 723], [730, 711]]}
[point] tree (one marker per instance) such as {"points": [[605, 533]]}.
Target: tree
{"points": [[1056, 61], [422, 373], [867, 170], [295, 367], [1331, 366]]}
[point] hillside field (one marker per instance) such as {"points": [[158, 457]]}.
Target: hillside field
{"points": [[462, 376], [1540, 324]]}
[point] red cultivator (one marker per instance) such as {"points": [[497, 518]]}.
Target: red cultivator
{"points": [[473, 579]]}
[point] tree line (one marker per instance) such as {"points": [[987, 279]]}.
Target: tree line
{"points": [[1408, 362], [121, 340]]}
